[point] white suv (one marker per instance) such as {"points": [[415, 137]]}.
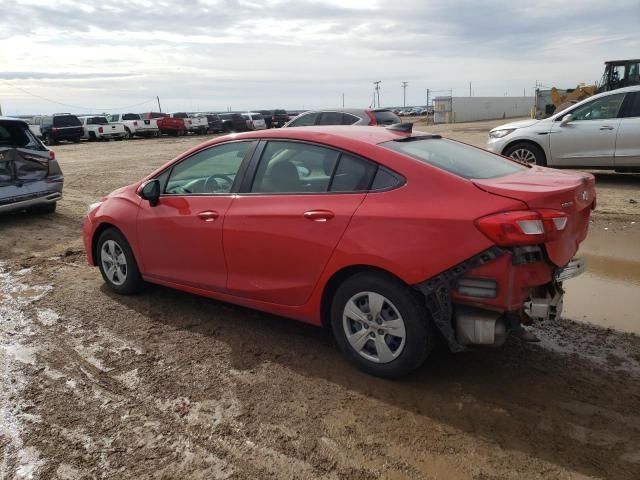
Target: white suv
{"points": [[602, 131]]}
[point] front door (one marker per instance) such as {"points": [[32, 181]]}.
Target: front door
{"points": [[181, 237], [589, 139], [279, 236]]}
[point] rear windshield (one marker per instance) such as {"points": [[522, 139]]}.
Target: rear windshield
{"points": [[66, 121], [98, 121], [457, 158], [385, 117], [130, 116], [180, 115], [18, 135]]}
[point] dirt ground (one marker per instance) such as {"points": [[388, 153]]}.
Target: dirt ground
{"points": [[167, 385]]}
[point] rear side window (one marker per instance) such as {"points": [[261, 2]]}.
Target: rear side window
{"points": [[385, 117], [305, 120], [385, 180], [632, 108], [352, 175], [457, 158], [348, 119], [66, 121], [291, 167], [330, 118]]}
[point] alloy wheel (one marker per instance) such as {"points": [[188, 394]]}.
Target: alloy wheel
{"points": [[114, 262], [524, 155], [374, 327]]}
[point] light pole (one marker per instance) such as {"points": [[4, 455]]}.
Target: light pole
{"points": [[377, 92], [404, 93]]}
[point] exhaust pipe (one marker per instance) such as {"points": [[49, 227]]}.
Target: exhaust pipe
{"points": [[476, 326]]}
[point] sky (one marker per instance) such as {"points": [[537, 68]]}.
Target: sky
{"points": [[211, 55]]}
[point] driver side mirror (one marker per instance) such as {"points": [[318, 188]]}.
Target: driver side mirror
{"points": [[150, 191], [566, 119]]}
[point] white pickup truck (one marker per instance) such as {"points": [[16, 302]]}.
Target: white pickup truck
{"points": [[98, 128], [199, 125], [135, 125]]}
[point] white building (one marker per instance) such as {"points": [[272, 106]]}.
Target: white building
{"points": [[471, 109]]}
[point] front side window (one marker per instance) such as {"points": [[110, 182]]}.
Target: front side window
{"points": [[305, 120], [209, 171], [601, 109], [290, 167], [457, 158]]}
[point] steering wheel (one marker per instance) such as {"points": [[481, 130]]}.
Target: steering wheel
{"points": [[213, 185]]}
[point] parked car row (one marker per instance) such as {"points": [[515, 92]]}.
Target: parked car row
{"points": [[413, 112], [59, 127]]}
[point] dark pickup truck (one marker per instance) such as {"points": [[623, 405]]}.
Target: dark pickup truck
{"points": [[58, 127], [274, 118], [168, 125]]}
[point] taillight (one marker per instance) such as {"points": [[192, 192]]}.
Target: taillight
{"points": [[54, 130], [523, 227], [372, 118], [52, 155], [100, 130], [135, 124]]}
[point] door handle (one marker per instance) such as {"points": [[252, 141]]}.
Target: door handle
{"points": [[319, 215], [606, 127], [208, 216]]}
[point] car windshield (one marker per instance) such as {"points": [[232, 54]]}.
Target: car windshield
{"points": [[17, 135], [66, 121], [457, 158], [130, 116]]}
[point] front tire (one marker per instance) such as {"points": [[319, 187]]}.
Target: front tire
{"points": [[117, 264], [381, 325], [527, 153]]}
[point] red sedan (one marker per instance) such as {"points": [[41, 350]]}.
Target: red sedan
{"points": [[386, 237]]}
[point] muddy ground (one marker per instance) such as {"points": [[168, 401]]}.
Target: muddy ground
{"points": [[169, 385]]}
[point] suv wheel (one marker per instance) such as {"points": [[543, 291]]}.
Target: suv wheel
{"points": [[48, 140], [381, 325], [117, 264], [526, 153]]}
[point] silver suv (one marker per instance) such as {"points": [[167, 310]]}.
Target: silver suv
{"points": [[30, 177], [351, 116], [602, 131]]}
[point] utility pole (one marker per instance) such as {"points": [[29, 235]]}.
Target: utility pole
{"points": [[469, 88], [342, 100], [159, 107], [377, 92], [404, 93], [428, 98]]}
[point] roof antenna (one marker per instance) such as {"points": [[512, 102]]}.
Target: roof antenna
{"points": [[401, 127]]}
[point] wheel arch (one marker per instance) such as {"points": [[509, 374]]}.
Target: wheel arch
{"points": [[338, 277], [96, 235], [527, 141]]}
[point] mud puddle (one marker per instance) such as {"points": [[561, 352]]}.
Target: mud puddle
{"points": [[608, 294]]}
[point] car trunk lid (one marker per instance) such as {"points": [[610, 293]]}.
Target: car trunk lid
{"points": [[570, 192]]}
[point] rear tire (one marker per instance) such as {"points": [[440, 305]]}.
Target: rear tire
{"points": [[117, 264], [381, 325], [526, 152]]}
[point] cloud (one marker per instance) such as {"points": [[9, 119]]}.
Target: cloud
{"points": [[212, 54]]}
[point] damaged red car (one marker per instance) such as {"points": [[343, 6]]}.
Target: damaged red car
{"points": [[388, 238]]}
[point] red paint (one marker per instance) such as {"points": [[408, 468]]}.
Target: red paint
{"points": [[276, 253]]}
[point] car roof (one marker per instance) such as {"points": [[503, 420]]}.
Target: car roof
{"points": [[12, 119], [361, 134]]}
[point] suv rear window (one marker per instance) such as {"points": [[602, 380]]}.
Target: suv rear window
{"points": [[66, 121], [457, 158], [18, 135], [385, 117]]}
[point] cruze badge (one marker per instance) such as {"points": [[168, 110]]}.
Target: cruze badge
{"points": [[585, 195]]}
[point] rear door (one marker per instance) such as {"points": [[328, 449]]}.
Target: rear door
{"points": [[628, 139], [280, 234], [589, 140]]}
